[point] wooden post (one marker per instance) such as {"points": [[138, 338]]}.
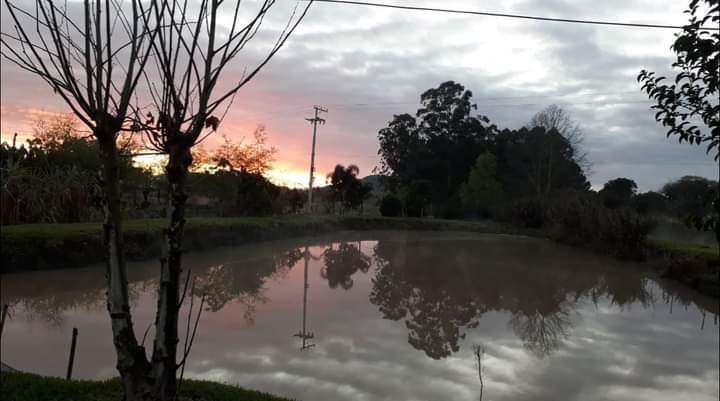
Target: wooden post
{"points": [[72, 353], [2, 319]]}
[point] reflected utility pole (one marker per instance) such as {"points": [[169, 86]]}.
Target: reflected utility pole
{"points": [[304, 334], [314, 121]]}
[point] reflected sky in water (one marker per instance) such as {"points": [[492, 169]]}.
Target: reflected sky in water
{"points": [[395, 316]]}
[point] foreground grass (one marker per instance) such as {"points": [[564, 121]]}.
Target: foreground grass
{"points": [[29, 387]]}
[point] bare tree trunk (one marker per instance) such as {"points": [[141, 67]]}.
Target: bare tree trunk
{"points": [[166, 322], [131, 360]]}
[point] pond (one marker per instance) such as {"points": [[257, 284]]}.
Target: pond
{"points": [[397, 316]]}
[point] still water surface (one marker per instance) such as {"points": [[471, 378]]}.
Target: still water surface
{"points": [[397, 316]]}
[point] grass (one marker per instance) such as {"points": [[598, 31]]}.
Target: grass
{"points": [[52, 246], [30, 387], [688, 249]]}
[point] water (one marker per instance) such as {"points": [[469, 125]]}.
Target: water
{"points": [[396, 316]]}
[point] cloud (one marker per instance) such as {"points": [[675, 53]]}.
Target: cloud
{"points": [[366, 64]]}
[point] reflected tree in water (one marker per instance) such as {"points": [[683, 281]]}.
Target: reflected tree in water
{"points": [[342, 263], [479, 352], [540, 333], [433, 309], [243, 282], [440, 295]]}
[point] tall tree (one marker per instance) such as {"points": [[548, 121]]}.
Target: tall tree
{"points": [[559, 119], [192, 52], [346, 188], [482, 192], [689, 196], [537, 163], [618, 192], [95, 69], [440, 144]]}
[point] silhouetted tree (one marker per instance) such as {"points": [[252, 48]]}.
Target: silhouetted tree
{"points": [[537, 163], [690, 196], [390, 206], [345, 187], [650, 203], [440, 145], [255, 157], [99, 92], [193, 50], [559, 119], [618, 192]]}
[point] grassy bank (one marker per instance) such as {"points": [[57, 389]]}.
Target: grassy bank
{"points": [[695, 265], [707, 252], [29, 387], [53, 246]]}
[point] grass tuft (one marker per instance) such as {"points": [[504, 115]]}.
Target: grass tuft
{"points": [[29, 387]]}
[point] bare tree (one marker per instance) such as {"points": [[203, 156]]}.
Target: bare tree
{"points": [[479, 352], [95, 65], [555, 117], [191, 53]]}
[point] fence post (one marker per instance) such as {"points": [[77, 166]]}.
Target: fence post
{"points": [[72, 353], [2, 319]]}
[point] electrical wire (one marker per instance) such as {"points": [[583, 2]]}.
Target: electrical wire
{"points": [[505, 15]]}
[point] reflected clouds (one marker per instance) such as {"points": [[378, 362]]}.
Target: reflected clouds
{"points": [[395, 318]]}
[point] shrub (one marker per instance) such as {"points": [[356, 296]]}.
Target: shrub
{"points": [[390, 206], [451, 209], [528, 213], [585, 221]]}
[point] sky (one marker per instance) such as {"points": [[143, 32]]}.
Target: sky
{"points": [[366, 64]]}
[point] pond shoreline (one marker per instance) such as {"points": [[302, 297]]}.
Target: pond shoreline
{"points": [[59, 246]]}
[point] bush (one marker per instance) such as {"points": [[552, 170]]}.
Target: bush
{"points": [[390, 206], [584, 221], [528, 213]]}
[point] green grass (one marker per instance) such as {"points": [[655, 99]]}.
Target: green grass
{"points": [[29, 387], [688, 249], [52, 246]]}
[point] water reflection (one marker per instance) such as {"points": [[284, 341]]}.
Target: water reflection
{"points": [[304, 334], [404, 309], [440, 295], [342, 263]]}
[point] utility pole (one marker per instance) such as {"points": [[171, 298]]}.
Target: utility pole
{"points": [[314, 121]]}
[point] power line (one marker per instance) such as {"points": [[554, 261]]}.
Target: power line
{"points": [[504, 15]]}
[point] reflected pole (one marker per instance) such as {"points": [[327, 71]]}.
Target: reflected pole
{"points": [[304, 334]]}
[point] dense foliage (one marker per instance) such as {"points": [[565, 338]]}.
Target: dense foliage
{"points": [[53, 178], [346, 189], [390, 206], [690, 106], [432, 158]]}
